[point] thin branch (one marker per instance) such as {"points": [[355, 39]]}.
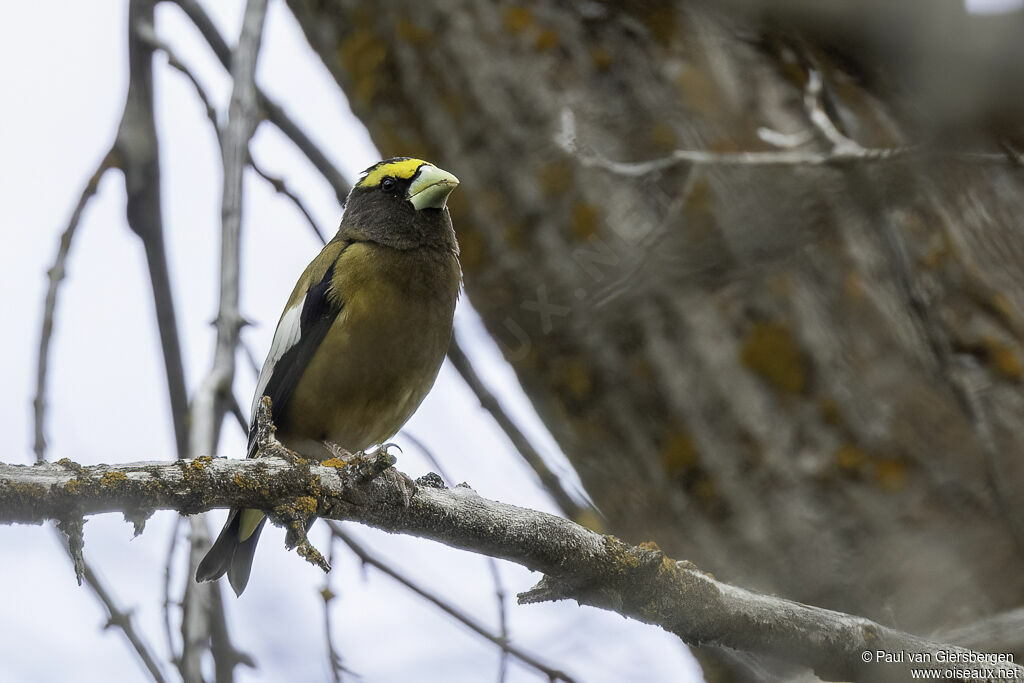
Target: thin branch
{"points": [[492, 564], [566, 138], [168, 630], [636, 581], [281, 187], [500, 640], [334, 660], [278, 183], [214, 395], [489, 402], [271, 110], [55, 276], [123, 620], [117, 617], [499, 596], [138, 153]]}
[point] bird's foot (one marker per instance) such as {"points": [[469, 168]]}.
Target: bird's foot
{"points": [[383, 448], [336, 451], [401, 483]]}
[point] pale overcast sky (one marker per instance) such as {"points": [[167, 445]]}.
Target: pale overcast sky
{"points": [[63, 79]]}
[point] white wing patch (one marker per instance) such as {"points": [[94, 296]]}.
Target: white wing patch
{"points": [[287, 335]]}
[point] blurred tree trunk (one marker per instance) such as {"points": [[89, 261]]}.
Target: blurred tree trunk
{"points": [[806, 379]]}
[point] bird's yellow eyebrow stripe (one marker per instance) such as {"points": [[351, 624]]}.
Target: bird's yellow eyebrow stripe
{"points": [[403, 169]]}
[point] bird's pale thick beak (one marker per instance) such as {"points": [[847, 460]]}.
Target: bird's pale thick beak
{"points": [[431, 188]]}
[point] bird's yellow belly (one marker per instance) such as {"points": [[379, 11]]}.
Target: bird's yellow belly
{"points": [[374, 368]]}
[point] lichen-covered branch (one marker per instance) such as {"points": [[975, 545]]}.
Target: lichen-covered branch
{"points": [[636, 581]]}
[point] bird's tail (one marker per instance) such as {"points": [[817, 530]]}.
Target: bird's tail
{"points": [[230, 553]]}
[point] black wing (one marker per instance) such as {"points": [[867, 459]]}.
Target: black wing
{"points": [[318, 314]]}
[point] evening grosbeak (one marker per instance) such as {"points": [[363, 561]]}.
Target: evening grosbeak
{"points": [[362, 337]]}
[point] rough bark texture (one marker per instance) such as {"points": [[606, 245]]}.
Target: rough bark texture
{"points": [[806, 380]]}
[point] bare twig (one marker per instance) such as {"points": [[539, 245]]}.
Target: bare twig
{"points": [[168, 630], [272, 111], [333, 657], [636, 581], [214, 395], [548, 479], [281, 187], [123, 620], [492, 564], [278, 183], [55, 276], [137, 148], [118, 617], [500, 640], [499, 596], [839, 156]]}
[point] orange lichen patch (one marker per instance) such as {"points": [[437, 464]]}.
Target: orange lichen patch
{"points": [[517, 19], [781, 285], [364, 55], [771, 352], [1001, 304], [830, 411], [584, 221], [649, 545], [1002, 357], [334, 462], [74, 486], [546, 40], [891, 474], [850, 457], [573, 375], [112, 479], [853, 285], [679, 454], [412, 33], [705, 490], [201, 462], [663, 135], [935, 258], [601, 57], [556, 178], [661, 22], [701, 199], [699, 91], [514, 235], [640, 366], [306, 505]]}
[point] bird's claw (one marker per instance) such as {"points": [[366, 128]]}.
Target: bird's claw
{"points": [[337, 451], [401, 482]]}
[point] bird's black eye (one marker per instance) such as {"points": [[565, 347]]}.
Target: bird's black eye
{"points": [[388, 184]]}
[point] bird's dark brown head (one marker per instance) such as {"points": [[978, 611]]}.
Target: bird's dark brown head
{"points": [[401, 203]]}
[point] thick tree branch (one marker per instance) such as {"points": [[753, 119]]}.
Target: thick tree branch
{"points": [[636, 581], [501, 640]]}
